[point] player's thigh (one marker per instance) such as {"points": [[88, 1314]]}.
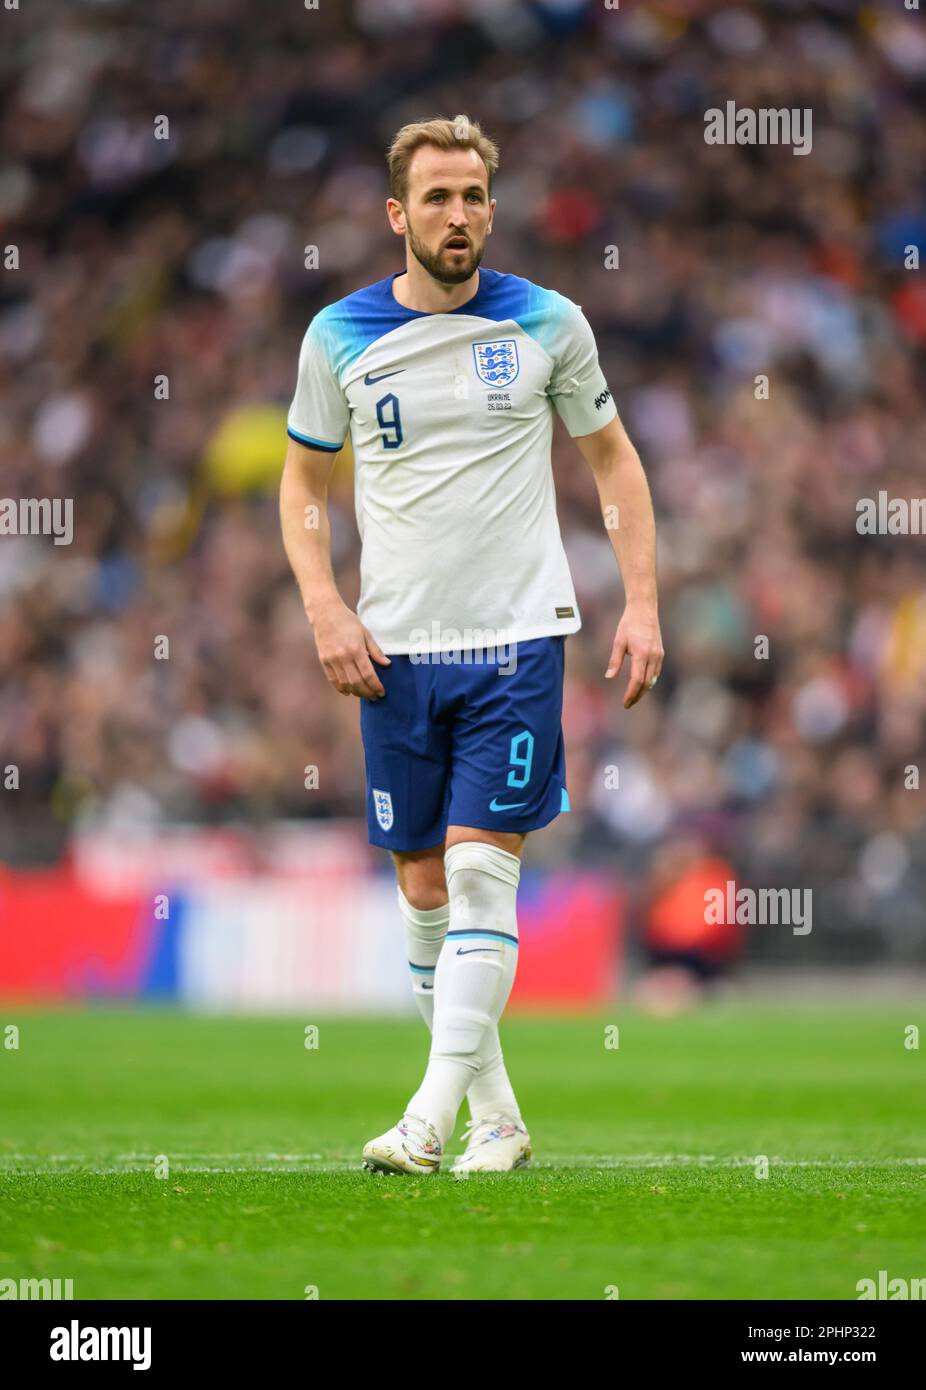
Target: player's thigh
{"points": [[407, 756], [509, 775]]}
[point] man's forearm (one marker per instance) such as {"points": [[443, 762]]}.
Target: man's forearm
{"points": [[628, 513], [346, 649], [307, 541]]}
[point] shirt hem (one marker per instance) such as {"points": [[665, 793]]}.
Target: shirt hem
{"points": [[504, 637]]}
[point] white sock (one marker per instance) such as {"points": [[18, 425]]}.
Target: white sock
{"points": [[490, 1090], [425, 930], [473, 977]]}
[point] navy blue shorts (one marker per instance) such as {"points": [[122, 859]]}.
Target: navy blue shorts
{"points": [[476, 742]]}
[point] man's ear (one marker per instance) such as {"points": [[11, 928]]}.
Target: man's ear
{"points": [[394, 212]]}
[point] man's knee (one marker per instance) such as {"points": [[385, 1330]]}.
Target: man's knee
{"points": [[420, 876], [511, 841]]}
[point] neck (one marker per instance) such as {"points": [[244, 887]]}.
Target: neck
{"points": [[418, 290]]}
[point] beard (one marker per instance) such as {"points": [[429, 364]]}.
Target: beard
{"points": [[434, 263]]}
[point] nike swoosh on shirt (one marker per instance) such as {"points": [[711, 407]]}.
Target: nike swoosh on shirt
{"points": [[496, 950], [372, 380], [494, 806]]}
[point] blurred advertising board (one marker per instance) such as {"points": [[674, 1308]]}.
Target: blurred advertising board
{"points": [[269, 921]]}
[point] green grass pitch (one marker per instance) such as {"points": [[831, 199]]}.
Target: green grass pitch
{"points": [[643, 1181]]}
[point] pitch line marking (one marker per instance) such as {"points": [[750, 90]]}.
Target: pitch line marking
{"points": [[201, 1162]]}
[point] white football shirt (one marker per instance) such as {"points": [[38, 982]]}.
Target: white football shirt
{"points": [[451, 420]]}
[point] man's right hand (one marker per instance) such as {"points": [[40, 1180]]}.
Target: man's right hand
{"points": [[344, 650]]}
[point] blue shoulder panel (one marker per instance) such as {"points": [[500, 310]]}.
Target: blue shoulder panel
{"points": [[350, 325]]}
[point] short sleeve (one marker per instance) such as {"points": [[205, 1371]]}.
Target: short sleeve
{"points": [[577, 386], [319, 416]]}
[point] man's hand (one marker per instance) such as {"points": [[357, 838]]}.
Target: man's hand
{"points": [[639, 638], [344, 650]]}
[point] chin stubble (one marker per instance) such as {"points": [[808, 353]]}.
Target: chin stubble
{"points": [[435, 267]]}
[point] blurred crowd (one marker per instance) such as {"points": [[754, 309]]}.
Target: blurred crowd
{"points": [[149, 334]]}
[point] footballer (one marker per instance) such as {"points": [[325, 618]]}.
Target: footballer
{"points": [[446, 376]]}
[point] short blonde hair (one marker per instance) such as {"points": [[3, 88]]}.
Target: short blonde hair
{"points": [[459, 134]]}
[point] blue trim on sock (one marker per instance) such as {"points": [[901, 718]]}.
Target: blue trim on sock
{"points": [[496, 935]]}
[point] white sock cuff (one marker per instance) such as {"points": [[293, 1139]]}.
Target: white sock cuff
{"points": [[487, 859], [433, 917]]}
